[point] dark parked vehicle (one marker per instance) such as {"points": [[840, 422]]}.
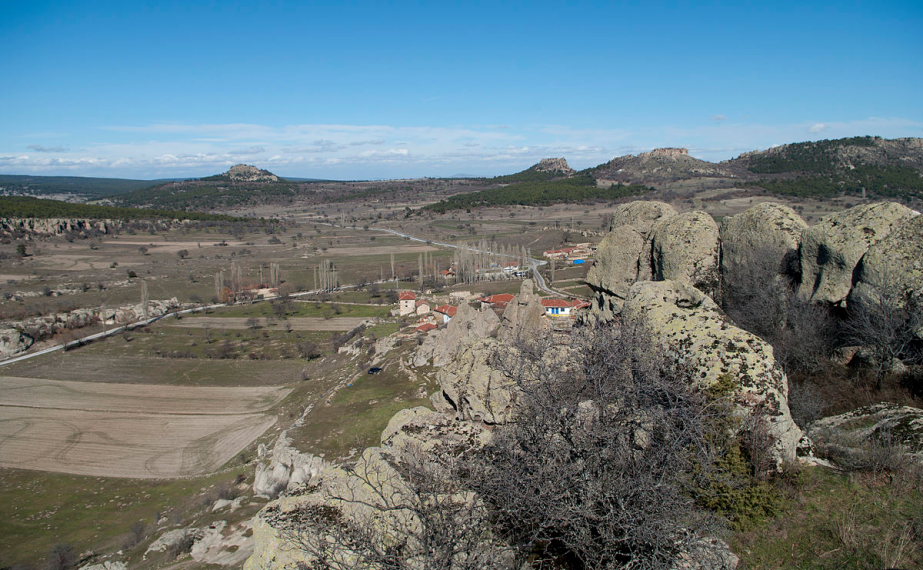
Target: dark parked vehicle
{"points": [[375, 370]]}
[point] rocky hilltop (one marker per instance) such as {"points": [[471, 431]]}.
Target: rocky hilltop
{"points": [[658, 166], [553, 165], [247, 173]]}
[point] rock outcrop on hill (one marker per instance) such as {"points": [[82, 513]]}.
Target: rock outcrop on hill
{"points": [[14, 227], [624, 254], [658, 166], [554, 165], [476, 389], [832, 248], [691, 327], [685, 248], [247, 173], [845, 437], [892, 269], [469, 324], [523, 317], [18, 336], [767, 235]]}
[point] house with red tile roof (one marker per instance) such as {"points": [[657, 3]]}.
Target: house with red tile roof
{"points": [[562, 307], [426, 327], [447, 312], [407, 303], [499, 300]]}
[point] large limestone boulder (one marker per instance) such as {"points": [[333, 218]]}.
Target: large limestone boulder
{"points": [[684, 248], [641, 215], [845, 436], [523, 317], [285, 470], [766, 236], [831, 249], [468, 325], [892, 269], [415, 431], [623, 256], [689, 325], [13, 341], [476, 389]]}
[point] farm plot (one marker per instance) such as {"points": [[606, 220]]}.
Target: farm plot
{"points": [[128, 430], [292, 323]]}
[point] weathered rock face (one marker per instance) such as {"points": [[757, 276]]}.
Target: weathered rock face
{"points": [[13, 341], [468, 325], [845, 435], [522, 318], [892, 269], [684, 247], [421, 430], [247, 173], [624, 255], [556, 165], [767, 234], [55, 226], [477, 390], [18, 336], [691, 327], [641, 215], [286, 470], [831, 249]]}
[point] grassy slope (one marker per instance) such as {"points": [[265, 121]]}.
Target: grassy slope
{"points": [[839, 521]]}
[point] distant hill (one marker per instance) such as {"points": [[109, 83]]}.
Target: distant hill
{"points": [[873, 165], [657, 166], [84, 187], [241, 185], [545, 169], [26, 207]]}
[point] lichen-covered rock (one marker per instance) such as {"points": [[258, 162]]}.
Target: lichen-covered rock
{"points": [[620, 262], [523, 317], [286, 469], [419, 430], [845, 435], [892, 269], [767, 234], [624, 255], [476, 389], [689, 325], [831, 249], [468, 325], [640, 215], [684, 248], [13, 341]]}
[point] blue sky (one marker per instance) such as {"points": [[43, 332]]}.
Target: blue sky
{"points": [[377, 90]]}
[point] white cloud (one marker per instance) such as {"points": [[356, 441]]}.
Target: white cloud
{"points": [[376, 151]]}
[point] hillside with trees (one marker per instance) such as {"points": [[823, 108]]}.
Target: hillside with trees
{"points": [[27, 207]]}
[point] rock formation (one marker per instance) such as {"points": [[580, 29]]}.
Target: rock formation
{"points": [[468, 325], [476, 389], [624, 255], [522, 318], [553, 165], [685, 247], [831, 249], [766, 235], [691, 327], [18, 336], [892, 269], [247, 173], [286, 469], [15, 227], [844, 436]]}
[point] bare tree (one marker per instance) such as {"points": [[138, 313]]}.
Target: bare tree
{"points": [[597, 470]]}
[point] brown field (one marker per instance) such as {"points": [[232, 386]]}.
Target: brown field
{"points": [[379, 250], [127, 430], [292, 323]]}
